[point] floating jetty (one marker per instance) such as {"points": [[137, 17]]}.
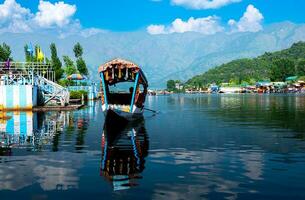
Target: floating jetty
{"points": [[18, 97], [57, 108], [25, 85]]}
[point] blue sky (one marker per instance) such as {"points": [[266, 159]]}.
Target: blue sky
{"points": [[129, 15], [159, 15]]}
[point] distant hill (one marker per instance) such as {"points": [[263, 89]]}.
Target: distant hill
{"points": [[163, 57], [250, 70]]}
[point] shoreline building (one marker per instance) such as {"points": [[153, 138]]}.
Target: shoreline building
{"points": [[24, 85]]}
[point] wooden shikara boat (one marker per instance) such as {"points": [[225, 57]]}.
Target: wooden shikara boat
{"points": [[125, 105]]}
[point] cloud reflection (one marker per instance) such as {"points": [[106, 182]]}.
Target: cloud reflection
{"points": [[208, 172]]}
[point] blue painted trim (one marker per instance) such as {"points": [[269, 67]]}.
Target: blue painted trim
{"points": [[10, 126], [134, 147], [134, 91], [105, 154], [23, 124], [22, 96], [10, 96], [104, 89]]}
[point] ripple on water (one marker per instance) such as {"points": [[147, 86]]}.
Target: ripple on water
{"points": [[198, 147]]}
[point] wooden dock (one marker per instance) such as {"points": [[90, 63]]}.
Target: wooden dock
{"points": [[57, 108]]}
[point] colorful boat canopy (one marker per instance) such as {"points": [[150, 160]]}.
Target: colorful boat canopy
{"points": [[118, 63], [76, 77], [119, 70]]}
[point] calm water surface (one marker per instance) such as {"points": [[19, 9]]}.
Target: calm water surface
{"points": [[197, 147]]}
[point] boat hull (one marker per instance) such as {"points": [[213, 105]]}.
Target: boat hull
{"points": [[118, 116]]}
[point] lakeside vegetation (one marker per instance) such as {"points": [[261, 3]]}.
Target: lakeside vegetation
{"points": [[61, 70], [275, 66], [78, 94], [5, 52], [174, 86]]}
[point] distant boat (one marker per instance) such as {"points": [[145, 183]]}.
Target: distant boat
{"points": [[127, 105]]}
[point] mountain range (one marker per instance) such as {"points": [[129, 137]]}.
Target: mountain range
{"points": [[168, 56], [275, 66]]}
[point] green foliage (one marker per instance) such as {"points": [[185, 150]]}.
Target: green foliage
{"points": [[28, 57], [47, 60], [81, 66], [300, 67], [302, 78], [56, 63], [78, 50], [65, 82], [80, 63], [78, 94], [271, 66], [5, 52], [171, 86], [234, 72], [70, 68], [281, 69], [35, 56]]}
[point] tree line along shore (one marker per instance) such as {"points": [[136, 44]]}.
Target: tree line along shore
{"points": [[281, 71]]}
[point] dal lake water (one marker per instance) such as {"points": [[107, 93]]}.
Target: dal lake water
{"points": [[197, 147]]}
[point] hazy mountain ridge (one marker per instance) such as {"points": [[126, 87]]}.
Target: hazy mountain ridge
{"points": [[163, 57], [275, 66]]}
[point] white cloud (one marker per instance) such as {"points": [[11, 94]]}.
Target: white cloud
{"points": [[91, 31], [203, 4], [251, 21], [208, 25], [58, 14], [156, 29], [13, 17], [57, 17]]}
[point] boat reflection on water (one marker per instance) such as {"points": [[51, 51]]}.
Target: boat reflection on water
{"points": [[124, 149]]}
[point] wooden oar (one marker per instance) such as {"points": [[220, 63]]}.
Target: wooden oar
{"points": [[154, 111]]}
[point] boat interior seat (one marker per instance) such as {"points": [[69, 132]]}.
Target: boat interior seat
{"points": [[125, 99], [120, 98]]}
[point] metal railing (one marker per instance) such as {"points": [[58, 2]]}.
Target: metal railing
{"points": [[37, 74], [26, 70], [52, 91]]}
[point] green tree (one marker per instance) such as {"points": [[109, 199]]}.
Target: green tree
{"points": [[252, 81], [27, 54], [81, 66], [78, 50], [5, 52], [56, 63], [234, 81], [281, 69], [48, 61], [171, 85], [35, 56], [300, 67], [70, 68], [80, 62]]}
